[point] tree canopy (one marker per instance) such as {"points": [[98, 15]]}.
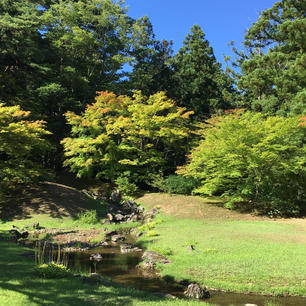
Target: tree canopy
{"points": [[21, 146], [199, 83], [117, 134], [273, 67], [254, 160]]}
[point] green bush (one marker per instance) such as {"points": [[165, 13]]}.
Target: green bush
{"points": [[88, 217], [52, 270], [125, 185], [147, 226], [179, 184], [255, 162]]}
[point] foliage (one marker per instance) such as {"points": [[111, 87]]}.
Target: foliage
{"points": [[149, 225], [22, 145], [255, 160], [116, 134], [125, 185], [52, 270], [179, 184], [88, 217], [273, 73], [150, 60], [54, 56], [151, 233], [200, 84]]}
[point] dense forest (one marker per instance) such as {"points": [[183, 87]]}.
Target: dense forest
{"points": [[86, 88]]}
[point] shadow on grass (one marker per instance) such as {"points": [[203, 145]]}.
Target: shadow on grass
{"points": [[56, 200], [19, 281]]}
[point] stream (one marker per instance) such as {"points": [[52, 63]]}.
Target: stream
{"points": [[121, 268]]}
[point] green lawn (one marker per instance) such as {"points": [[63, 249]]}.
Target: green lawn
{"points": [[234, 252], [240, 256], [20, 286]]}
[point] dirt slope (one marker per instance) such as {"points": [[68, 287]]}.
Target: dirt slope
{"points": [[54, 199]]}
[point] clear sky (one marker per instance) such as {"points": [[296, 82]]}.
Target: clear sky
{"points": [[221, 20]]}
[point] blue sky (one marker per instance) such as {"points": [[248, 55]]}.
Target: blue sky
{"points": [[221, 20]]}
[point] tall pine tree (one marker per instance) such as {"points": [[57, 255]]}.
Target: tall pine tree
{"points": [[150, 60], [273, 65], [200, 83]]}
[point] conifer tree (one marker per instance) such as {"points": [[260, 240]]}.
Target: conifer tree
{"points": [[200, 84], [150, 60], [273, 66]]}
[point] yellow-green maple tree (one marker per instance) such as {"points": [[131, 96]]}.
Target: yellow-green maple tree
{"points": [[22, 145], [119, 134]]}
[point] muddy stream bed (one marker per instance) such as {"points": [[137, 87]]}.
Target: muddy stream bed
{"points": [[122, 268]]}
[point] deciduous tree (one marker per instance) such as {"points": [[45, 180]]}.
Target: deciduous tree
{"points": [[253, 160], [22, 145], [116, 134]]}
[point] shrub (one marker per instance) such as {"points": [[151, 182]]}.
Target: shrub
{"points": [[147, 226], [125, 185], [179, 184], [88, 217], [254, 161], [52, 270]]}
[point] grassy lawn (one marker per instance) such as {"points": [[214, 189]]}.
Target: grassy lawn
{"points": [[249, 255], [20, 286]]}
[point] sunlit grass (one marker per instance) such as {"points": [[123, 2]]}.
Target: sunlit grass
{"points": [[240, 256]]}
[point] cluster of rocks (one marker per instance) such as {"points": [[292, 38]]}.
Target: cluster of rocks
{"points": [[123, 212], [150, 259], [195, 291], [119, 211], [128, 247]]}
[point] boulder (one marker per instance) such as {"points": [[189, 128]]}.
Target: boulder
{"points": [[155, 257], [147, 265], [117, 238], [116, 197], [104, 243], [195, 291], [119, 217], [108, 235], [110, 217], [127, 248], [96, 257], [18, 235]]}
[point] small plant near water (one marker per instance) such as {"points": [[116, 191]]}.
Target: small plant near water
{"points": [[88, 217], [150, 225], [52, 270], [147, 226], [163, 250], [152, 233]]}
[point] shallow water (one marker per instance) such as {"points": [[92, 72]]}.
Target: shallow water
{"points": [[121, 268]]}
